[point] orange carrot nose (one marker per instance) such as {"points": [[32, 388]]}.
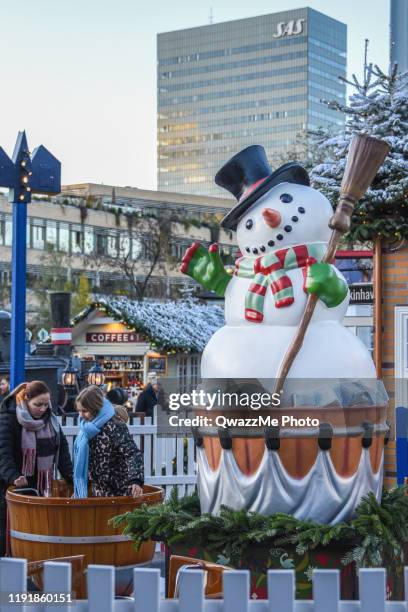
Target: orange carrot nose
{"points": [[272, 217]]}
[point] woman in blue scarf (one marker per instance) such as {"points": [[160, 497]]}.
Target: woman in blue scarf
{"points": [[104, 451]]}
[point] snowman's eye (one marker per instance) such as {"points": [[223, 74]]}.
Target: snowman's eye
{"points": [[286, 198], [249, 224]]}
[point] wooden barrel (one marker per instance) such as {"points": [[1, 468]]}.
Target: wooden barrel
{"points": [[346, 431], [49, 527]]}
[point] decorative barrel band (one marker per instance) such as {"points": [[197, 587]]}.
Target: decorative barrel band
{"points": [[61, 335], [354, 431], [49, 539]]}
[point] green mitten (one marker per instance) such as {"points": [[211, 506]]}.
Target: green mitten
{"points": [[322, 280], [206, 268]]}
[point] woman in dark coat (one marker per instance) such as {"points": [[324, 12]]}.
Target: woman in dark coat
{"points": [[104, 451], [32, 445]]}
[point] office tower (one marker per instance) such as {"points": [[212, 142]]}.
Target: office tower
{"points": [[224, 86]]}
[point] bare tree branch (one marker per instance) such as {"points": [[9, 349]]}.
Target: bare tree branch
{"points": [[139, 253]]}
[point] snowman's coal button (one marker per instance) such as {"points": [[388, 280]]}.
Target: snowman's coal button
{"points": [[295, 219], [288, 228], [271, 243], [279, 237], [301, 210], [262, 248], [255, 251], [286, 198]]}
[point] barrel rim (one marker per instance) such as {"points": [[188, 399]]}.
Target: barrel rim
{"points": [[155, 494]]}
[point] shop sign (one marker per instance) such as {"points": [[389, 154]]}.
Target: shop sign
{"points": [[157, 364], [361, 293], [113, 337]]}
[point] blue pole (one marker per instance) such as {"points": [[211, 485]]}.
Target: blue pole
{"points": [[24, 175], [18, 294], [401, 426]]}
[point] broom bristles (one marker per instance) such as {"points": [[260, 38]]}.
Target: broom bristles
{"points": [[366, 154]]}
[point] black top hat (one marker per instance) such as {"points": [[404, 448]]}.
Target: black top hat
{"points": [[248, 176]]}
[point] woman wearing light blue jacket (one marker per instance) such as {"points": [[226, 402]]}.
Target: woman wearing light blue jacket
{"points": [[104, 451]]}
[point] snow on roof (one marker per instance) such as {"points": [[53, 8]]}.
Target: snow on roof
{"points": [[171, 326]]}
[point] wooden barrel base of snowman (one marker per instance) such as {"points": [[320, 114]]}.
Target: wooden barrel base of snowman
{"points": [[342, 432]]}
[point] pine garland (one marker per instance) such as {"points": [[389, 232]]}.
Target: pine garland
{"points": [[378, 532]]}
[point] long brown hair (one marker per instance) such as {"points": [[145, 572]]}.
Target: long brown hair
{"points": [[29, 390], [35, 388], [91, 398]]}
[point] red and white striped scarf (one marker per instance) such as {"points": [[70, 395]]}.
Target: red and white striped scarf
{"points": [[270, 270]]}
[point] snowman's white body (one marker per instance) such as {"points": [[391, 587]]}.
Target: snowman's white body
{"points": [[244, 349]]}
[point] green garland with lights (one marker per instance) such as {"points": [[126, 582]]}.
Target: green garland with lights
{"points": [[378, 533], [169, 327]]}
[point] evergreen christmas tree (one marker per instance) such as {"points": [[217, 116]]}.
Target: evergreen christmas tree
{"points": [[378, 106]]}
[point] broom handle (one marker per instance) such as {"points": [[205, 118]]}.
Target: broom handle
{"points": [[297, 342], [366, 154]]}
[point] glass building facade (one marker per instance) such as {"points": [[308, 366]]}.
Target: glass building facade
{"points": [[224, 86]]}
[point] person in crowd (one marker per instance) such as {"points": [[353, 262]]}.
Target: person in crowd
{"points": [[121, 412], [147, 399], [117, 396], [32, 445], [104, 451], [4, 388]]}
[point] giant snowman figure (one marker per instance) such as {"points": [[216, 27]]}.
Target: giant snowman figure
{"points": [[282, 227]]}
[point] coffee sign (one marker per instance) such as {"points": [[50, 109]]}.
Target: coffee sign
{"points": [[113, 337], [289, 28]]}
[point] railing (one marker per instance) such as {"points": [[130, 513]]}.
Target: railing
{"points": [[168, 461], [148, 597]]}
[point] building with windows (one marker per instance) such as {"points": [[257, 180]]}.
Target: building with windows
{"points": [[224, 86], [88, 228]]}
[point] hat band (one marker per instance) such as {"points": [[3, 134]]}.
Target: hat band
{"points": [[251, 188]]}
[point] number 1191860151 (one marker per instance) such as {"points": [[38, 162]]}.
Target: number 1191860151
{"points": [[29, 598]]}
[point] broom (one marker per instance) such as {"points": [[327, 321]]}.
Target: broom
{"points": [[365, 156]]}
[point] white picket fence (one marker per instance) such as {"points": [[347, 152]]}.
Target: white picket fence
{"points": [[168, 461], [147, 596]]}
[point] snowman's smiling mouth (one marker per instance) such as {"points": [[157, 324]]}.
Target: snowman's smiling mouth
{"points": [[276, 240]]}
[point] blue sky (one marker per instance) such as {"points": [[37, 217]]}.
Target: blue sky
{"points": [[80, 75]]}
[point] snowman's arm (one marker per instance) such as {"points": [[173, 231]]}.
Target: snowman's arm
{"points": [[322, 280], [206, 268]]}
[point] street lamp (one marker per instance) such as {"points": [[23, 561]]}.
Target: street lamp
{"points": [[69, 377], [24, 175], [96, 376]]}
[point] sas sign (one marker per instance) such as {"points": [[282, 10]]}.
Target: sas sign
{"points": [[289, 28]]}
